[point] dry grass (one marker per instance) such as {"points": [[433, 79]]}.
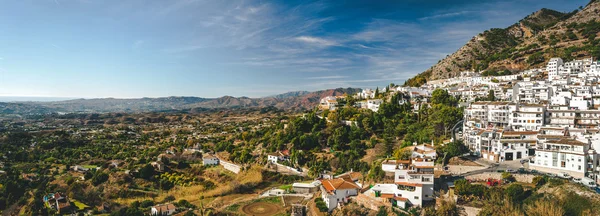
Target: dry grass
{"points": [[197, 193]]}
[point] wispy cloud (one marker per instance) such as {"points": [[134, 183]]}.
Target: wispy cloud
{"points": [[315, 41], [137, 44], [327, 77], [445, 15]]}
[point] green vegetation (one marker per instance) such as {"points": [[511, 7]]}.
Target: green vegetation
{"points": [[418, 80], [79, 205], [536, 58], [516, 199], [321, 205]]}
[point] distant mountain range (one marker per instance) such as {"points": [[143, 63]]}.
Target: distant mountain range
{"points": [[291, 101], [529, 43]]}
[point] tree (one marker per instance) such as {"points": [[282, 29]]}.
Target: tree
{"points": [[99, 178], [441, 96], [402, 154], [147, 171], [515, 193], [491, 95], [376, 173], [535, 58]]}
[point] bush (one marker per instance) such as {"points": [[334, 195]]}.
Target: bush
{"points": [[508, 177], [556, 182], [321, 205], [515, 192], [146, 203], [539, 181], [574, 204], [463, 187], [185, 204]]}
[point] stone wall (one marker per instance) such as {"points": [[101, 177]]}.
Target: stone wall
{"points": [[370, 202], [230, 166], [527, 178]]}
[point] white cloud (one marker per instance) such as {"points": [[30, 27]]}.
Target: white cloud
{"points": [[315, 41], [445, 15], [327, 77]]}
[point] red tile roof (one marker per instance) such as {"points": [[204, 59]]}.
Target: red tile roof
{"points": [[403, 199], [338, 184]]}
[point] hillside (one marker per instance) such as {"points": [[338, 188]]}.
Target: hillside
{"points": [[292, 101], [529, 43]]}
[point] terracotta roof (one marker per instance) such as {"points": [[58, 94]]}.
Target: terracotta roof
{"points": [[62, 205], [549, 128], [425, 167], [568, 142], [338, 184], [519, 133], [403, 199], [387, 195], [517, 141], [542, 136], [164, 207], [351, 175]]}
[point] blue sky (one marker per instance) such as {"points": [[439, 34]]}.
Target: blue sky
{"points": [[143, 48]]}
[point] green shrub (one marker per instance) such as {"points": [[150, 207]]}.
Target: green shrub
{"points": [[321, 205], [515, 192], [539, 181], [508, 177]]}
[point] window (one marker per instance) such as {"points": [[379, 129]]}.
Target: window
{"points": [[416, 197], [579, 167]]}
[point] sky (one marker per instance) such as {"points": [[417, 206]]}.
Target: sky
{"points": [[212, 48]]}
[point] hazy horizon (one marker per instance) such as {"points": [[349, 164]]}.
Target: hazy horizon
{"points": [[134, 49], [17, 98]]}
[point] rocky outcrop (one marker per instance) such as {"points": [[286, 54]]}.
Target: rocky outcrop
{"points": [[540, 33]]}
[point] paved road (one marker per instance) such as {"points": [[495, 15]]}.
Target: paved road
{"points": [[494, 167]]}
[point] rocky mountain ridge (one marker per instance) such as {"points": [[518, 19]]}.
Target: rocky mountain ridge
{"points": [[291, 101], [529, 43]]}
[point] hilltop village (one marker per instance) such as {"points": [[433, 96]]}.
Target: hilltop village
{"points": [[483, 143]]}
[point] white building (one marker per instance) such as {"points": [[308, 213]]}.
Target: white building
{"points": [[527, 117], [163, 209], [552, 67], [374, 104], [328, 103], [565, 155], [209, 160], [336, 191], [413, 179]]}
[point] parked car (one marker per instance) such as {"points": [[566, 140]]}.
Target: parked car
{"points": [[524, 161], [511, 171], [577, 180], [564, 175], [588, 182]]}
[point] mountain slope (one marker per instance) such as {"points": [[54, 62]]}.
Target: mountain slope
{"points": [[293, 101], [527, 44]]}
